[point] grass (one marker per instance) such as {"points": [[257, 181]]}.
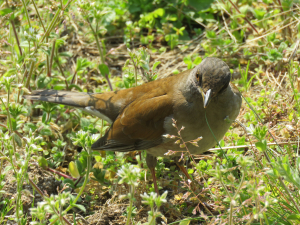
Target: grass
{"points": [[251, 178]]}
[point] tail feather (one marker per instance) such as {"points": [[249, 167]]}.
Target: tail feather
{"points": [[75, 99]]}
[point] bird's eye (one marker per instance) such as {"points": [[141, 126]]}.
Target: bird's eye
{"points": [[199, 79]]}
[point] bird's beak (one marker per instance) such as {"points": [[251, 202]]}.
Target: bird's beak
{"points": [[206, 98]]}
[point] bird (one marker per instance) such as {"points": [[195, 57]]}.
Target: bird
{"points": [[202, 100]]}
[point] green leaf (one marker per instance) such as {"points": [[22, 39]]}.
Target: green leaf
{"points": [[250, 80], [189, 65], [9, 72], [96, 153], [70, 182], [13, 124], [190, 171], [84, 123], [103, 69], [159, 12], [273, 173], [43, 81], [82, 63], [172, 17], [261, 145], [211, 34], [46, 131], [155, 65], [81, 207], [66, 54], [99, 175], [274, 55], [109, 18], [180, 31], [81, 164], [172, 40], [17, 139], [76, 87], [200, 5], [259, 13], [6, 11], [73, 170], [283, 46], [42, 162], [187, 60], [126, 84], [295, 217], [59, 42], [59, 87], [44, 117], [29, 126], [185, 221], [198, 60]]}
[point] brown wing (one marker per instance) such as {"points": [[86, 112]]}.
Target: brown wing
{"points": [[139, 126]]}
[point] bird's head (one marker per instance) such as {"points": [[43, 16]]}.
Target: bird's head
{"points": [[212, 76]]}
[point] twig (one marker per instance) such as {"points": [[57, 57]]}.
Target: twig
{"points": [[294, 51], [252, 145], [271, 32], [248, 21]]}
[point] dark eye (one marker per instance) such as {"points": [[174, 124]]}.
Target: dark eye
{"points": [[199, 79]]}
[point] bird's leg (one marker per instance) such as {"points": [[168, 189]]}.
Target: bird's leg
{"points": [[183, 169], [140, 154], [151, 163]]}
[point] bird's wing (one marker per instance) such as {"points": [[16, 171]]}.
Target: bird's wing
{"points": [[139, 126]]}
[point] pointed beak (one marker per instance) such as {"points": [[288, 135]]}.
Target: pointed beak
{"points": [[206, 98]]}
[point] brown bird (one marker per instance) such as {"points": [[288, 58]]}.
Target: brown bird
{"points": [[141, 116]]}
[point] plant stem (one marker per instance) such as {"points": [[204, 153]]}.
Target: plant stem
{"points": [[97, 41], [130, 205]]}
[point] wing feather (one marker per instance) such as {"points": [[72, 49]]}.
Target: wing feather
{"points": [[139, 126]]}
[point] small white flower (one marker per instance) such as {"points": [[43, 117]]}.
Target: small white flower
{"points": [[95, 136], [31, 30], [137, 29], [38, 138], [267, 203], [10, 78], [128, 23], [27, 139], [233, 202], [81, 132]]}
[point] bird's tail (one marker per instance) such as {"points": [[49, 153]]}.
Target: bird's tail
{"points": [[75, 99]]}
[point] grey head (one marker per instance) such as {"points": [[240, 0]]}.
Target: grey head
{"points": [[212, 77]]}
